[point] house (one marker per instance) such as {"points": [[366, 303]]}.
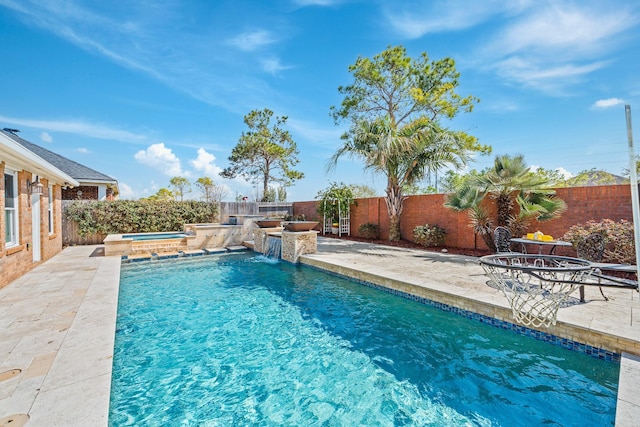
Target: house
{"points": [[31, 194], [93, 185]]}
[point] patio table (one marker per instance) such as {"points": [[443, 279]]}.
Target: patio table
{"points": [[553, 243]]}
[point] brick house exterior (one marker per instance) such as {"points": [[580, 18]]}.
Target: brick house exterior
{"points": [[30, 194]]}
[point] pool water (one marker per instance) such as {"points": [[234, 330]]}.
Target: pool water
{"points": [[232, 340], [154, 236]]}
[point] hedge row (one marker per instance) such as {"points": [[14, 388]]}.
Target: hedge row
{"points": [[138, 216]]}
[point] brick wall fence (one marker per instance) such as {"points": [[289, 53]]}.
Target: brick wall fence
{"points": [[583, 204]]}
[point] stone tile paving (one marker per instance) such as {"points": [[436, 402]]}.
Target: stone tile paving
{"points": [[57, 325]]}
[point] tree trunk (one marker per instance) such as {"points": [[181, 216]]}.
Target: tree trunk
{"points": [[504, 206], [394, 228], [394, 202], [488, 240]]}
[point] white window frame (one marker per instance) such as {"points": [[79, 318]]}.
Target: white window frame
{"points": [[52, 227], [12, 214]]}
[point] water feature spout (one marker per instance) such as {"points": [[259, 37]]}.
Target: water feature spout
{"points": [[273, 248]]}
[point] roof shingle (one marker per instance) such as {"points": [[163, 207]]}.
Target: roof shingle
{"points": [[76, 170]]}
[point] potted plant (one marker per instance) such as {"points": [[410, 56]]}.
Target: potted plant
{"points": [[334, 227]]}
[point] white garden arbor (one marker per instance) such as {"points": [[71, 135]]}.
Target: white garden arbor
{"points": [[344, 219]]}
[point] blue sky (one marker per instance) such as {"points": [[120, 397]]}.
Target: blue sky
{"points": [[145, 90]]}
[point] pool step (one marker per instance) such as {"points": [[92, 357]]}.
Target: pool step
{"points": [[212, 251], [237, 248], [137, 257]]}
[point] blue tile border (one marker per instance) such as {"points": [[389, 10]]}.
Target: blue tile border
{"points": [[595, 352]]}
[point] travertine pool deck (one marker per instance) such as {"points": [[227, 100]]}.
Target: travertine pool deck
{"points": [[57, 323]]}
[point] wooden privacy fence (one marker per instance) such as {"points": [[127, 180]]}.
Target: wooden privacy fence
{"points": [[71, 236], [70, 230], [266, 209]]}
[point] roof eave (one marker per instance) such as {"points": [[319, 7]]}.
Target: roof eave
{"points": [[15, 153]]}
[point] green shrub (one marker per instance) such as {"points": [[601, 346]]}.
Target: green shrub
{"points": [[620, 246], [300, 217], [369, 230], [429, 235], [138, 216]]}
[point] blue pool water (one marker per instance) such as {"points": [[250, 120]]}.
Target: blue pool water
{"points": [[154, 236], [231, 340]]}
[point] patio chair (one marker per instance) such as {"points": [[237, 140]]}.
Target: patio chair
{"points": [[501, 238], [591, 248]]}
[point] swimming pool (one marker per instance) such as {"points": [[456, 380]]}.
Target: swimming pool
{"points": [[232, 341], [154, 236]]}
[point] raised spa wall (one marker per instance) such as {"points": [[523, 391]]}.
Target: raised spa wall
{"points": [[198, 236]]}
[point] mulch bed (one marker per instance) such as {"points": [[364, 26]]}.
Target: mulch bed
{"points": [[413, 245]]}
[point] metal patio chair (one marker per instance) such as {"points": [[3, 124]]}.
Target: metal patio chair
{"points": [[591, 248], [501, 238]]}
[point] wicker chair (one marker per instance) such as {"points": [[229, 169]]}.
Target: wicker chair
{"points": [[591, 248], [501, 238]]}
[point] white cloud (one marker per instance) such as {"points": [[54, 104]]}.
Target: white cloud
{"points": [[91, 130], [206, 163], [565, 173], [161, 158], [607, 103], [45, 137], [562, 171], [126, 192], [251, 41], [82, 150]]}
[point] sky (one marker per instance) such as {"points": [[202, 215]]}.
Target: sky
{"points": [[147, 90]]}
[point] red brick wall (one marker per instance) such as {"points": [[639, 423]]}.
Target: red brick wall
{"points": [[87, 193], [583, 204], [51, 243], [16, 261]]}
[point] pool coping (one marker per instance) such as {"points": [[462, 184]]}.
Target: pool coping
{"points": [[58, 326]]}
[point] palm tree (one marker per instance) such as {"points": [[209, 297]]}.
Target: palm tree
{"points": [[404, 154], [510, 182]]}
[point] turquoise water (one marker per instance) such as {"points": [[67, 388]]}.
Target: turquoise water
{"points": [[153, 236], [233, 341]]}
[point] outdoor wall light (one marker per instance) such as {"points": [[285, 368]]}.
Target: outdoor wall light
{"points": [[36, 186]]}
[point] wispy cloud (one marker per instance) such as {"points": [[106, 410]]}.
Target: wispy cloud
{"points": [[132, 34], [322, 137], [250, 41], [545, 45], [91, 130], [274, 66], [414, 19], [607, 103], [82, 150], [317, 2], [555, 45]]}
